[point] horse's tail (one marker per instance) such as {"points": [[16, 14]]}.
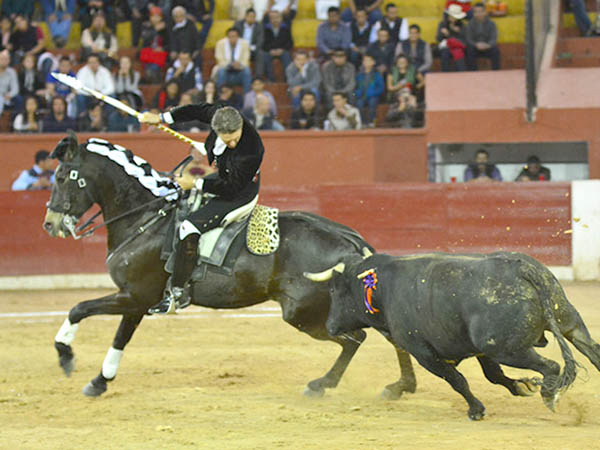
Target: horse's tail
{"points": [[553, 300], [330, 226]]}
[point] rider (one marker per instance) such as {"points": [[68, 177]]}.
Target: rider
{"points": [[237, 149]]}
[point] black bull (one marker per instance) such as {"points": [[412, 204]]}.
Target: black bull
{"points": [[444, 308], [308, 242]]}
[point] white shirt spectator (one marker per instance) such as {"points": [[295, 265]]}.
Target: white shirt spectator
{"points": [[101, 81], [402, 34]]}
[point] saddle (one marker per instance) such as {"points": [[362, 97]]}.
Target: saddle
{"points": [[219, 248]]}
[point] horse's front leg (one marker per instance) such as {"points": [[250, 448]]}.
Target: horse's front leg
{"points": [[118, 303], [112, 360]]}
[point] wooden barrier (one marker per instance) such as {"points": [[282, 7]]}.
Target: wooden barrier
{"points": [[395, 218]]}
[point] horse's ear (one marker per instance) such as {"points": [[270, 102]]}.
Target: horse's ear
{"points": [[67, 148]]}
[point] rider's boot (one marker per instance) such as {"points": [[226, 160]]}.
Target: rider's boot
{"points": [[176, 295]]}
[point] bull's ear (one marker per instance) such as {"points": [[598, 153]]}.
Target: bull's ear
{"points": [[67, 148]]}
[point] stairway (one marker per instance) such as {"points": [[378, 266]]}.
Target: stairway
{"points": [[572, 50]]}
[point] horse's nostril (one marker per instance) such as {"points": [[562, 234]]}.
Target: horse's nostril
{"points": [[47, 226]]}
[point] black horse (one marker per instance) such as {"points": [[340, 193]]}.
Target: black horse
{"points": [[308, 243]]}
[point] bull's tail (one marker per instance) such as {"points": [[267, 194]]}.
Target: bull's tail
{"points": [[553, 298]]}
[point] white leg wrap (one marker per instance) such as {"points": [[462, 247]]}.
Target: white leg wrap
{"points": [[67, 331], [111, 363], [186, 228]]}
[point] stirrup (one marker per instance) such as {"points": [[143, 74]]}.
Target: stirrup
{"points": [[166, 306]]}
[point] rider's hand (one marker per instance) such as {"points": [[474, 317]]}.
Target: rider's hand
{"points": [[148, 117], [185, 181]]}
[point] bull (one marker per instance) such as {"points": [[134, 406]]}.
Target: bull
{"points": [[444, 308]]}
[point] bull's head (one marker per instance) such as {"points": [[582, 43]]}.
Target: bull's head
{"points": [[344, 311], [70, 196]]}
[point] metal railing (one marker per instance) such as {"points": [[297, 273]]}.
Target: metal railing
{"points": [[537, 26]]}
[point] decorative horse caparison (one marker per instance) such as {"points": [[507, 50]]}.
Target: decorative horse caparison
{"points": [[309, 243]]}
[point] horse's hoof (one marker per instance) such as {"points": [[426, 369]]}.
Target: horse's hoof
{"points": [[389, 394], [551, 401], [526, 387], [66, 359], [91, 390], [314, 393], [477, 415]]}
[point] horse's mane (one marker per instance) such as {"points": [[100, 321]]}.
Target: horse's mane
{"points": [[135, 167]]}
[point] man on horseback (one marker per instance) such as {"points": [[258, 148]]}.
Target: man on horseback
{"points": [[237, 150]]}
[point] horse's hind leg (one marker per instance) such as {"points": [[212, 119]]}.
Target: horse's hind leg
{"points": [[119, 303], [112, 360], [524, 387]]}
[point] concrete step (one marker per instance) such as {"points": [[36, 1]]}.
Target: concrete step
{"points": [[578, 61], [578, 46]]}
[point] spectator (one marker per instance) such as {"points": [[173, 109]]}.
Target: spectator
{"points": [[93, 119], [186, 74], [228, 97], [258, 88], [29, 120], [96, 77], [233, 61], [30, 80], [127, 83], [465, 5], [302, 75], [139, 13], [120, 121], [343, 116], [64, 67], [416, 49], [209, 93], [5, 33], [451, 38], [9, 83], [14, 8], [184, 36], [238, 9], [192, 126], [382, 51], [482, 36], [360, 29], [332, 34], [40, 176], [404, 78], [25, 39], [306, 116], [397, 26], [534, 171], [99, 40], [277, 44], [199, 12], [89, 8], [261, 116], [57, 120], [582, 19], [369, 88], [370, 7], [338, 76], [59, 15], [167, 97], [253, 32], [481, 170], [156, 41], [287, 8]]}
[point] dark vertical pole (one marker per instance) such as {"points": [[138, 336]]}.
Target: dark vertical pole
{"points": [[530, 64]]}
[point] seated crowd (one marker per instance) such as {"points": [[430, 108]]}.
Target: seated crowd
{"points": [[365, 56]]}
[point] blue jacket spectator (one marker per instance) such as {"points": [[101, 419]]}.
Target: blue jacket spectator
{"points": [[40, 176], [369, 88], [64, 66], [333, 34], [59, 16]]}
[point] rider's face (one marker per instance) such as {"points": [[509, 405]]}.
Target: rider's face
{"points": [[231, 139]]}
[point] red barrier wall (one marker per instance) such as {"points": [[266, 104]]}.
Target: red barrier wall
{"points": [[394, 218]]}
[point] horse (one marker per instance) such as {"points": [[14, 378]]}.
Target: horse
{"points": [[135, 218]]}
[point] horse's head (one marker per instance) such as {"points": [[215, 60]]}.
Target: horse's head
{"points": [[71, 195]]}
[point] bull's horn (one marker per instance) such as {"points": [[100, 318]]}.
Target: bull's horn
{"points": [[366, 253], [360, 276], [326, 274]]}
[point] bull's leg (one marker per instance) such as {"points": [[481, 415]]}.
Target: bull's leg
{"points": [[112, 360], [350, 343], [407, 381], [436, 365], [581, 339], [530, 359], [111, 304], [493, 372]]}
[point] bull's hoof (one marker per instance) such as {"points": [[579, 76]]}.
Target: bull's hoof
{"points": [[391, 394], [313, 393], [551, 401], [96, 387], [66, 358], [477, 414], [526, 387]]}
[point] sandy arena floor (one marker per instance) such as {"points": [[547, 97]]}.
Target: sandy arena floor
{"points": [[234, 379]]}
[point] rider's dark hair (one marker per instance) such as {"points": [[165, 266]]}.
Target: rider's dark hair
{"points": [[226, 120]]}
